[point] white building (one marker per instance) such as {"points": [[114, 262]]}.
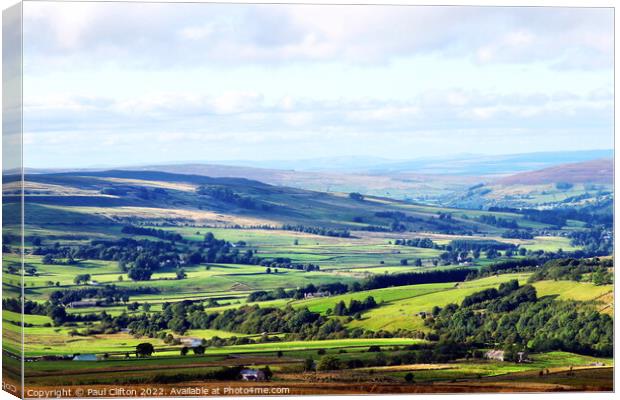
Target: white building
{"points": [[85, 357], [252, 375], [497, 355]]}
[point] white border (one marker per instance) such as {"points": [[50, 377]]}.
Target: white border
{"points": [[516, 3]]}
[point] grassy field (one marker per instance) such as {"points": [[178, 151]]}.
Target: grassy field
{"points": [[571, 290], [475, 369], [401, 314], [73, 210], [398, 306], [386, 295]]}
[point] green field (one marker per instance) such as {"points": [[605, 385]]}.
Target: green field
{"points": [[477, 369], [401, 314], [352, 241]]}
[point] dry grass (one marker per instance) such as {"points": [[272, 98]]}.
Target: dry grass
{"points": [[168, 214], [409, 367], [185, 187]]}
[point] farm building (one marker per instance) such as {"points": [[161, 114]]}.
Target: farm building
{"points": [[252, 375], [523, 357], [316, 294], [83, 303], [497, 355], [85, 357], [191, 342], [597, 364]]}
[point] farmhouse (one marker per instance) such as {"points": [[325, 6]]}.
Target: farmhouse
{"points": [[497, 355], [316, 294], [252, 375]]}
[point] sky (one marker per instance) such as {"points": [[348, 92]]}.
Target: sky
{"points": [[125, 84]]}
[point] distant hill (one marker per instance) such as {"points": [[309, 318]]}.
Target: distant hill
{"points": [[427, 180], [452, 164], [156, 197], [594, 171]]}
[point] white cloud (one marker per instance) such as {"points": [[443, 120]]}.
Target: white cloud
{"points": [[197, 32], [190, 79], [228, 116], [174, 34]]}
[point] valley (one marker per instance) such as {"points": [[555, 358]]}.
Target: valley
{"points": [[166, 277]]}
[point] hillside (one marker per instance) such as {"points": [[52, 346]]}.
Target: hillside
{"points": [[583, 184], [159, 197], [594, 171], [427, 180], [410, 185]]}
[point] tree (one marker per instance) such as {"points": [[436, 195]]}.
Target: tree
{"points": [[268, 270], [58, 314], [356, 196], [139, 274], [328, 363], [178, 325], [409, 378], [181, 274], [492, 253], [308, 364], [144, 350], [48, 259], [601, 278], [404, 261], [267, 372], [418, 262], [184, 350], [340, 308], [81, 278], [146, 307], [380, 359], [199, 350], [279, 354], [195, 258]]}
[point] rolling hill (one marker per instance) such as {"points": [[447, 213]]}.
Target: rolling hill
{"points": [[119, 196], [594, 171], [580, 184], [427, 180]]}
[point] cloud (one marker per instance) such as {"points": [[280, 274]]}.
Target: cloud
{"points": [[187, 81], [249, 117], [163, 35]]}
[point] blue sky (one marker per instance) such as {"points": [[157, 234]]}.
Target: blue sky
{"points": [[119, 84]]}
